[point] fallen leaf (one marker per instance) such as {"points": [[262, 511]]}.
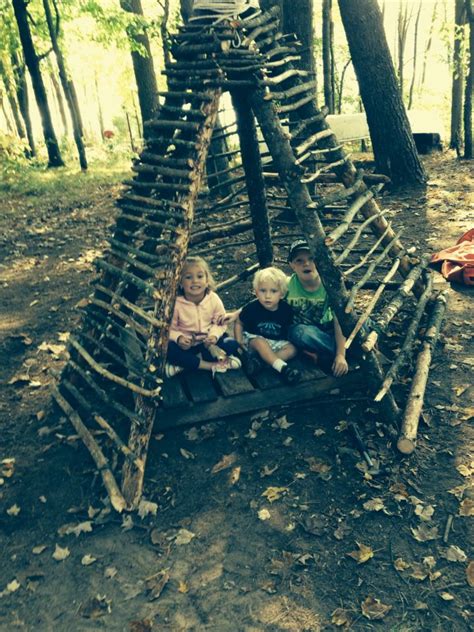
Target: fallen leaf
{"points": [[446, 596], [227, 461], [234, 475], [400, 564], [374, 609], [60, 554], [419, 571], [156, 583], [318, 465], [184, 537], [186, 453], [183, 587], [340, 617], [470, 574], [375, 504], [466, 508], [274, 493], [8, 467], [319, 432], [143, 625], [37, 550], [466, 470], [424, 512], [453, 554], [264, 514], [146, 508], [110, 572], [364, 554], [76, 529], [54, 349], [14, 510], [192, 434], [12, 587], [95, 607], [267, 470], [127, 523], [424, 533], [315, 524], [342, 530], [282, 423], [88, 559], [458, 491]]}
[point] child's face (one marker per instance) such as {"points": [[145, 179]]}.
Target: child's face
{"points": [[269, 295], [194, 283], [303, 266]]}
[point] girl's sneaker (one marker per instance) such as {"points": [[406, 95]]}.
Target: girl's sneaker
{"points": [[233, 362], [290, 375], [172, 369]]}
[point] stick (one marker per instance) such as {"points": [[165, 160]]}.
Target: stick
{"points": [[407, 440], [116, 498], [351, 213]]}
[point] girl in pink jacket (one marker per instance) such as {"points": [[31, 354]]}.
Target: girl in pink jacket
{"points": [[194, 326]]}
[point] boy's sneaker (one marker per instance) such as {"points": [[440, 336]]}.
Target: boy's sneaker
{"points": [[251, 363], [172, 369], [290, 375], [233, 362]]}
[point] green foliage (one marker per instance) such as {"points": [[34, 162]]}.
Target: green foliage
{"points": [[12, 158]]}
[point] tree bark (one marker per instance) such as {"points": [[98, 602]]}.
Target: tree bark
{"points": [[59, 98], [143, 67], [328, 56], [32, 62], [457, 81], [301, 22], [23, 98], [469, 86], [393, 144], [7, 81], [415, 56], [67, 84]]}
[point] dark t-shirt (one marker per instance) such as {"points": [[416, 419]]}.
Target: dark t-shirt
{"points": [[262, 322]]}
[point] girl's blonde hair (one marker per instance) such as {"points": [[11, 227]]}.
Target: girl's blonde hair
{"points": [[198, 262], [274, 275]]}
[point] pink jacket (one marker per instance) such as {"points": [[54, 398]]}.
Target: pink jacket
{"points": [[189, 318]]}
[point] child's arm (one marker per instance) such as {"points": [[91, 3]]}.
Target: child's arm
{"points": [[239, 331], [229, 317], [339, 366]]}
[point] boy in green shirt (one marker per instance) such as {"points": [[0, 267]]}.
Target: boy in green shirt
{"points": [[316, 329]]}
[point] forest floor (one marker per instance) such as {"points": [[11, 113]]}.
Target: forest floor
{"points": [[305, 539]]}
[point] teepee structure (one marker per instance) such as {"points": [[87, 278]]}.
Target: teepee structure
{"points": [[288, 164]]}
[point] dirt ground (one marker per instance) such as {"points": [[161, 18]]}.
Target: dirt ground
{"points": [[269, 523]]}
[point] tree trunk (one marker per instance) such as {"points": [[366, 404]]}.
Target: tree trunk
{"points": [[7, 81], [99, 109], [143, 67], [66, 83], [457, 82], [392, 140], [469, 85], [186, 7], [328, 56], [415, 55], [32, 62], [6, 116], [301, 22], [403, 23], [23, 98], [59, 98], [428, 44]]}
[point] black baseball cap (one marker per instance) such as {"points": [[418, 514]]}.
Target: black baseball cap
{"points": [[296, 246]]}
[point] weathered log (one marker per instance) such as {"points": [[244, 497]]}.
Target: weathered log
{"points": [[235, 228], [157, 170], [366, 256], [349, 249], [405, 352], [396, 303], [312, 140], [252, 164], [119, 273], [407, 440], [236, 278], [161, 207], [149, 318], [117, 500]]}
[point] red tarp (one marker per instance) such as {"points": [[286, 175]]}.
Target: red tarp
{"points": [[457, 262]]}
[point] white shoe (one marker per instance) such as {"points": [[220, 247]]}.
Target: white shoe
{"points": [[233, 362], [172, 369]]}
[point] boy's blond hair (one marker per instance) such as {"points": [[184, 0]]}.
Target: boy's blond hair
{"points": [[276, 276], [201, 263]]}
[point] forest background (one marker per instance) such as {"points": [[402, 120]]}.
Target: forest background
{"points": [[93, 41]]}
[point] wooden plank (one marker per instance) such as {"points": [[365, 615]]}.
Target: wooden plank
{"points": [[233, 382], [173, 393], [200, 386], [267, 378], [256, 400]]}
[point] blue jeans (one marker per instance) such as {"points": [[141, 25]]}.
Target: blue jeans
{"points": [[312, 338], [188, 358]]}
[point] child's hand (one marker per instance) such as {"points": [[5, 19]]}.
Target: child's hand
{"points": [[339, 366], [210, 340], [185, 342], [228, 318]]}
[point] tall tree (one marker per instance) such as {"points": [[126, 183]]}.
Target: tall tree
{"points": [[458, 80], [468, 153], [142, 63], [66, 82], [22, 94], [415, 57], [328, 56], [301, 22], [33, 64], [393, 144], [11, 96]]}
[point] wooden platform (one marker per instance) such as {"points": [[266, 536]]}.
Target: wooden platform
{"points": [[196, 396]]}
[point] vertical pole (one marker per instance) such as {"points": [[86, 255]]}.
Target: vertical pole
{"points": [[252, 164]]}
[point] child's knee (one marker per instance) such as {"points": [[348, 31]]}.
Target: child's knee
{"points": [[290, 350], [258, 344]]}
